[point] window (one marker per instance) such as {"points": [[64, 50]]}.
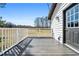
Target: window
{"points": [[72, 24], [72, 11], [76, 24], [68, 18], [72, 16], [68, 24], [68, 13], [77, 8], [76, 16]]}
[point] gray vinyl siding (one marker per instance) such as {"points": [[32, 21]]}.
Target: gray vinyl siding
{"points": [[57, 26]]}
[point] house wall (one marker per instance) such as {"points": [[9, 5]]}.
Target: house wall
{"points": [[57, 25]]}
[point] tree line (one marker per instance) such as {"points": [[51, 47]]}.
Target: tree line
{"points": [[4, 24]]}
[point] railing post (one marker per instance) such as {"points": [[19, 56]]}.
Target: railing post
{"points": [[38, 32], [12, 36], [51, 32], [5, 38], [17, 35], [2, 40], [27, 32], [8, 37]]}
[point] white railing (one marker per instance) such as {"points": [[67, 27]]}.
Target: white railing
{"points": [[11, 36]]}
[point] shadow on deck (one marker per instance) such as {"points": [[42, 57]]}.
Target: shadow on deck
{"points": [[18, 49]]}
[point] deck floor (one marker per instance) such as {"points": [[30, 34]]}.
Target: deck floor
{"points": [[47, 47]]}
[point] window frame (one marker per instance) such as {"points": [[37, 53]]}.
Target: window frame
{"points": [[68, 10]]}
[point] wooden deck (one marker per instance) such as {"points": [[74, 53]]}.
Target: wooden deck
{"points": [[40, 47]]}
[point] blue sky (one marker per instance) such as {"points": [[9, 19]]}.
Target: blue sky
{"points": [[23, 13]]}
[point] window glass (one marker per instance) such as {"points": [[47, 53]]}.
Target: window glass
{"points": [[72, 17], [76, 24], [76, 16], [76, 8], [68, 18], [72, 24], [72, 11], [69, 24], [68, 13]]}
